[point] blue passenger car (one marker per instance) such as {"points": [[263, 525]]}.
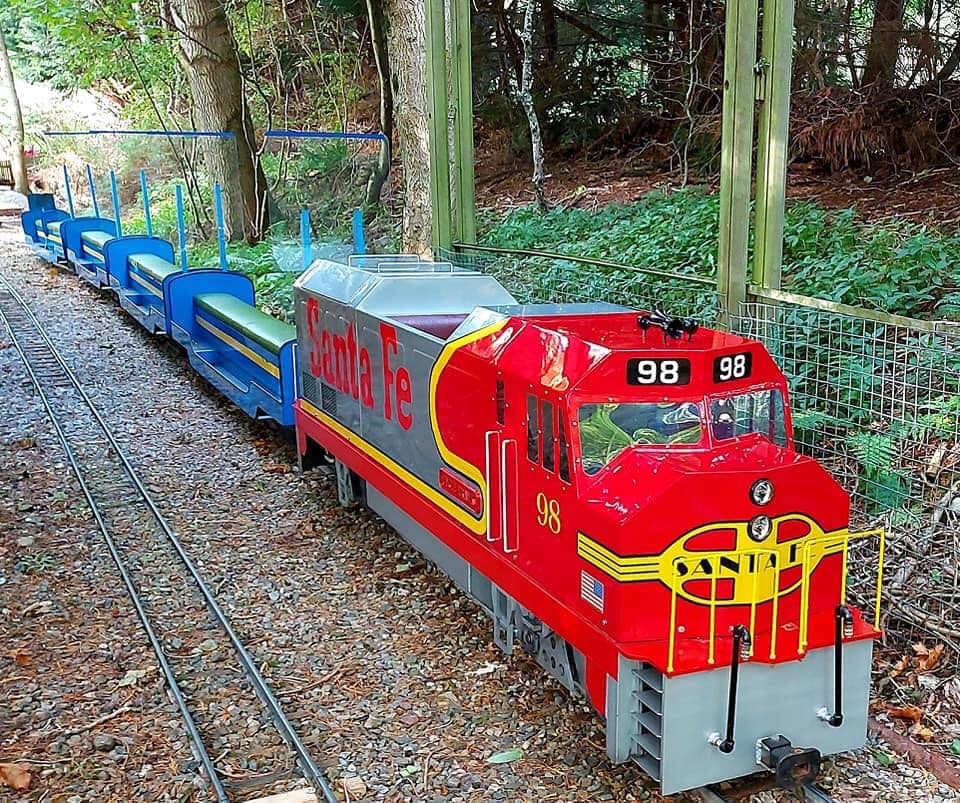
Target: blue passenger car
{"points": [[247, 355]]}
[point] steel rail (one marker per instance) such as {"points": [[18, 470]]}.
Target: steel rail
{"points": [[167, 670], [308, 767], [808, 792]]}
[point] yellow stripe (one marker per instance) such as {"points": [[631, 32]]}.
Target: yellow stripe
{"points": [[144, 283], [391, 465], [93, 251], [451, 459], [624, 569], [250, 354]]}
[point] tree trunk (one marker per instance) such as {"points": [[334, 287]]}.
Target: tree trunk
{"points": [[378, 41], [950, 65], [526, 100], [208, 53], [883, 49], [406, 47], [17, 161]]}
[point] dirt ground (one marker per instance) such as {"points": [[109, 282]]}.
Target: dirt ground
{"points": [[503, 182]]}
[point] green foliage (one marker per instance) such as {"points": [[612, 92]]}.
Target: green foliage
{"points": [[78, 44], [883, 485], [672, 231], [884, 266], [887, 266]]}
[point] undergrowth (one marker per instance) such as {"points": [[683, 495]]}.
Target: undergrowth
{"points": [[893, 266]]}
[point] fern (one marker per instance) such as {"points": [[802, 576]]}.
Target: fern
{"points": [[883, 485], [873, 451]]}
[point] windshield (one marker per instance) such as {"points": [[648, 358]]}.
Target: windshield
{"points": [[608, 429], [760, 411]]}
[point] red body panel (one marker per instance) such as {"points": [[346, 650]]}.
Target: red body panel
{"points": [[608, 560]]}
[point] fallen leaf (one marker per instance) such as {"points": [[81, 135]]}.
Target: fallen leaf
{"points": [[19, 656], [277, 468], [506, 756], [354, 787], [929, 661], [900, 666], [921, 732], [15, 776], [447, 700], [132, 677], [910, 712], [883, 758], [920, 648], [955, 747], [410, 769]]}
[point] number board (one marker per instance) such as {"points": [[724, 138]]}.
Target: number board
{"points": [[732, 366], [658, 372]]}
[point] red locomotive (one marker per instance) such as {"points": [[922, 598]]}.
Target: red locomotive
{"points": [[619, 490]]}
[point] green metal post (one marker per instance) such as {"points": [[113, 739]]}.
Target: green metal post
{"points": [[437, 103], [776, 55], [462, 86], [740, 53]]}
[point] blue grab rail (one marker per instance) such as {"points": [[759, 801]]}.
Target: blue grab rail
{"points": [[181, 228], [146, 202], [221, 234], [115, 198]]}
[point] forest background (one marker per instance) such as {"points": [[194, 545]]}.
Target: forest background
{"points": [[624, 96]]}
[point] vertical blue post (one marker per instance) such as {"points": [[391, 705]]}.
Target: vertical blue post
{"points": [[93, 191], [66, 185], [306, 238], [359, 240], [181, 229], [115, 197], [221, 234], [146, 202]]}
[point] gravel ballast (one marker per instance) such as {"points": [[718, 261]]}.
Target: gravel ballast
{"points": [[386, 670]]}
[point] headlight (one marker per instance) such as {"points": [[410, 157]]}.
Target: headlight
{"points": [[761, 492], [759, 528]]}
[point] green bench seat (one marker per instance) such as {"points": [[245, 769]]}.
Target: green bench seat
{"points": [[154, 266], [53, 227], [96, 239], [258, 326]]}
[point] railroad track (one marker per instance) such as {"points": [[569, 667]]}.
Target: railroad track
{"points": [[191, 635]]}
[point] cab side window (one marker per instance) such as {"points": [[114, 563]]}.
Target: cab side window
{"points": [[547, 441], [546, 416], [533, 429], [563, 445]]}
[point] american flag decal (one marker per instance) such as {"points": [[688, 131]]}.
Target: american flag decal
{"points": [[591, 590]]}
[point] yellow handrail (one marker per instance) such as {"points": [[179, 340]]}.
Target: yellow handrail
{"points": [[807, 570], [810, 560]]}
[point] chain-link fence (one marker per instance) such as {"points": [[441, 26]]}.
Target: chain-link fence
{"points": [[878, 403]]}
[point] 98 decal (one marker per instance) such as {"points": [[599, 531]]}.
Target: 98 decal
{"points": [[732, 366], [661, 371]]}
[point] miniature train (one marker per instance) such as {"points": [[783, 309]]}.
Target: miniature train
{"points": [[618, 490]]}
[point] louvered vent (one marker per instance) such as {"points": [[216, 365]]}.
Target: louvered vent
{"points": [[308, 387], [328, 399], [648, 719]]}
